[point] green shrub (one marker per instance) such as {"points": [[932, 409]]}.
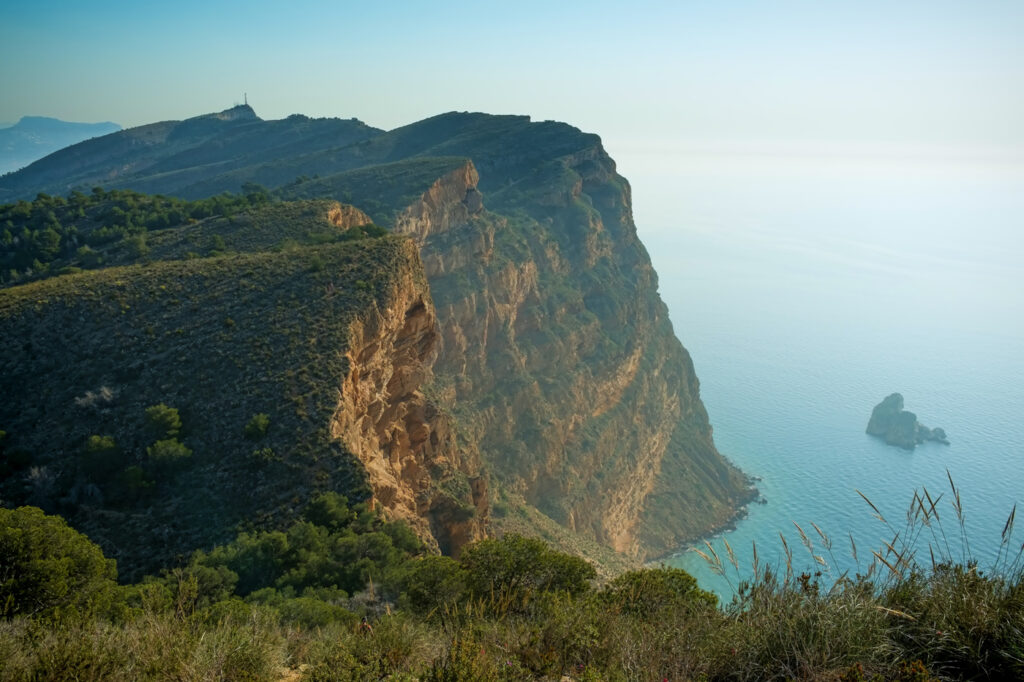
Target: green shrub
{"points": [[960, 620], [88, 257], [168, 454], [335, 551], [217, 245], [50, 569], [464, 659], [432, 582], [199, 585], [403, 537], [515, 568], [245, 645], [136, 246], [261, 457], [257, 426], [330, 511], [394, 648], [645, 593], [163, 421], [100, 445], [795, 624], [76, 653], [308, 612]]}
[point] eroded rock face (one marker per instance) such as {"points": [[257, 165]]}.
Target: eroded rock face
{"points": [[416, 469], [899, 427], [345, 216], [558, 359], [451, 201]]}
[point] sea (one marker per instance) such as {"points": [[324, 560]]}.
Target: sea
{"points": [[808, 286]]}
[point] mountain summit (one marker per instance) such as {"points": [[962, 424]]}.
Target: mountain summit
{"points": [[239, 112]]}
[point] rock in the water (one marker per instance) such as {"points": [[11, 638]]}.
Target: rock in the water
{"points": [[896, 426], [938, 435]]}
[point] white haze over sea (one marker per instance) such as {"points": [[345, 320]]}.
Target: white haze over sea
{"points": [[807, 286]]}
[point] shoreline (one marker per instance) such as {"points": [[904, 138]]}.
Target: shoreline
{"points": [[742, 512]]}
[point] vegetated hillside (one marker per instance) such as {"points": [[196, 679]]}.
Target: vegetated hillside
{"points": [[53, 235], [556, 350], [56, 235], [162, 406], [170, 155], [384, 190]]}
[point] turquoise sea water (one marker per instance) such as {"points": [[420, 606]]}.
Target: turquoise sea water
{"points": [[808, 289]]}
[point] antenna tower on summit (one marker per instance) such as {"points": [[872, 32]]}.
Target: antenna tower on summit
{"points": [[245, 96]]}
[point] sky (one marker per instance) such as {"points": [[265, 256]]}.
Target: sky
{"points": [[645, 75]]}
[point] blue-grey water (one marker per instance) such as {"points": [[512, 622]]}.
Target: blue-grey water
{"points": [[806, 290]]}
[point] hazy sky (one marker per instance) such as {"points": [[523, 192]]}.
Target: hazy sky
{"points": [[641, 72]]}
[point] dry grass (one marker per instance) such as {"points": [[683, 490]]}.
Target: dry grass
{"points": [[944, 620]]}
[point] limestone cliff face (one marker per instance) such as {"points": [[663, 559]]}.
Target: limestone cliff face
{"points": [[345, 216], [558, 357], [416, 469], [449, 203]]}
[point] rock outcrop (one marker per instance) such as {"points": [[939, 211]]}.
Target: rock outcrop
{"points": [[899, 427], [416, 469], [346, 217]]}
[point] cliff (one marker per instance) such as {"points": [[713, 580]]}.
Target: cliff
{"points": [[555, 353], [331, 342], [558, 357]]}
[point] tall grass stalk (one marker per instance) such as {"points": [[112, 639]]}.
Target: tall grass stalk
{"points": [[954, 619]]}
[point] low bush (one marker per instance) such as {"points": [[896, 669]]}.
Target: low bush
{"points": [[344, 595], [48, 569], [163, 422], [168, 455], [257, 426]]}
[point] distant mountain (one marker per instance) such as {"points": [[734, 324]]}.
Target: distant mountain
{"points": [[33, 137]]}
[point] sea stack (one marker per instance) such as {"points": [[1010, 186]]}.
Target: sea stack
{"points": [[896, 426]]}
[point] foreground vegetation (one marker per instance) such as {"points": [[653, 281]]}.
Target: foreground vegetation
{"points": [[343, 595]]}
